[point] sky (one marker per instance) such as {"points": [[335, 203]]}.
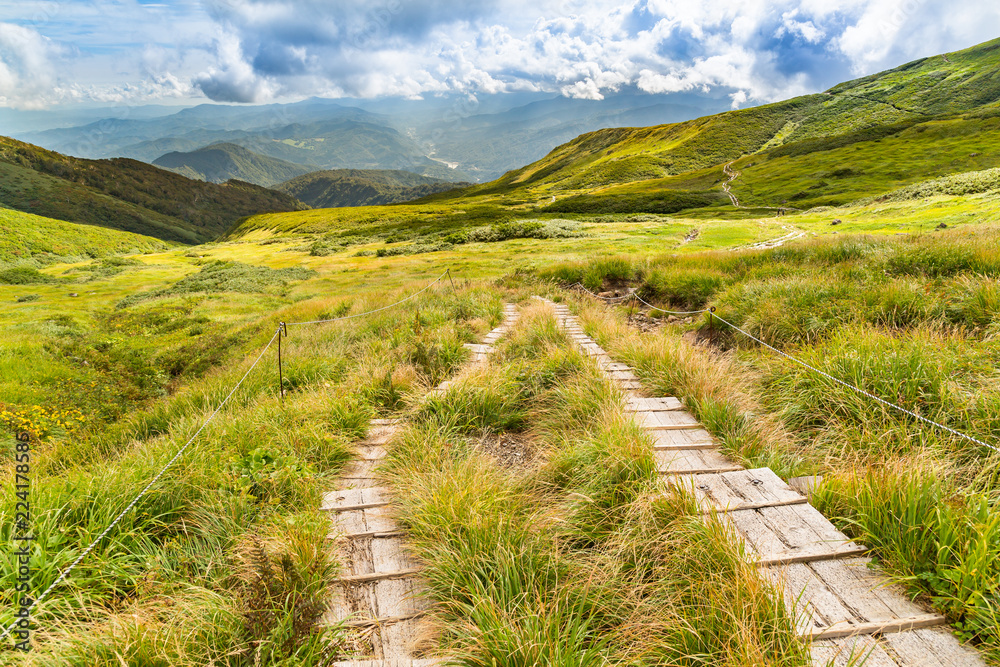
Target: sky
{"points": [[69, 53]]}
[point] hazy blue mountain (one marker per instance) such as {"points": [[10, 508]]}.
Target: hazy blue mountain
{"points": [[362, 187], [219, 163], [451, 137]]}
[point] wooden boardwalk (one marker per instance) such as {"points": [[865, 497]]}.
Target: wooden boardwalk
{"points": [[379, 592], [849, 612]]}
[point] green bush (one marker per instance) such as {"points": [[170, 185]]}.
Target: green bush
{"points": [[23, 275]]}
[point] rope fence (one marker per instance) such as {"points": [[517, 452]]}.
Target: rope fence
{"points": [[862, 392], [281, 332]]}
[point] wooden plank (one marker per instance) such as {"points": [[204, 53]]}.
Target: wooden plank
{"points": [[385, 620], [379, 435], [691, 461], [386, 556], [371, 452], [359, 469], [377, 576], [622, 375], [477, 348], [372, 520], [398, 662], [368, 601], [830, 598], [688, 438], [851, 652], [618, 366], [931, 648], [665, 420], [879, 627], [350, 499], [740, 490], [790, 534], [361, 536], [642, 404]]}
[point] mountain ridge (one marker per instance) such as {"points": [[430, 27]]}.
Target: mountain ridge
{"points": [[218, 163]]}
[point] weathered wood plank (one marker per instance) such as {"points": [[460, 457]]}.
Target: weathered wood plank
{"points": [[433, 662], [894, 625], [375, 556], [740, 490], [377, 576], [617, 366], [790, 534], [851, 652], [688, 438], [368, 601], [373, 520], [371, 452], [665, 420], [838, 598], [931, 647], [353, 498], [359, 469], [361, 536], [642, 404], [691, 461]]}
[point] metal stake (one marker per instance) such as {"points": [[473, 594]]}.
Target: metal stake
{"points": [[452, 282], [281, 379]]}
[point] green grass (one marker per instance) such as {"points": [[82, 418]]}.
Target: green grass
{"points": [[231, 535], [127, 195], [564, 553], [27, 239], [910, 319], [567, 559]]}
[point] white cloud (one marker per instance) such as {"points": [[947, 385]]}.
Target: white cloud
{"points": [[233, 79], [261, 50], [27, 73]]}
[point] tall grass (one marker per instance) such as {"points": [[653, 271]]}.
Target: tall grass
{"points": [[570, 559], [231, 534], [941, 541], [911, 320]]}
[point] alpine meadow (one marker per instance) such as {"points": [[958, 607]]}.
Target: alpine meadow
{"points": [[314, 375]]}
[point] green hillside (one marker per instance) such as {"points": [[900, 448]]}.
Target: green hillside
{"points": [[127, 195], [362, 187], [35, 240], [928, 118], [219, 163]]}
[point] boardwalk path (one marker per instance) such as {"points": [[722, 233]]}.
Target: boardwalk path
{"points": [[844, 607], [378, 593]]}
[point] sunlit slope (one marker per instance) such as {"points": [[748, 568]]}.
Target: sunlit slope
{"points": [[932, 118], [962, 87], [127, 195], [33, 239]]}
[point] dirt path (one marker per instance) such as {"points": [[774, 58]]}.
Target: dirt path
{"points": [[378, 597], [791, 234], [846, 609], [733, 175]]}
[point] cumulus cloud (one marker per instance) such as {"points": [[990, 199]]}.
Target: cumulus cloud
{"points": [[249, 51], [27, 73], [233, 79]]}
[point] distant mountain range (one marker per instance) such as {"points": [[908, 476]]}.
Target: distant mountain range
{"points": [[127, 195], [449, 139], [360, 187], [219, 163]]}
